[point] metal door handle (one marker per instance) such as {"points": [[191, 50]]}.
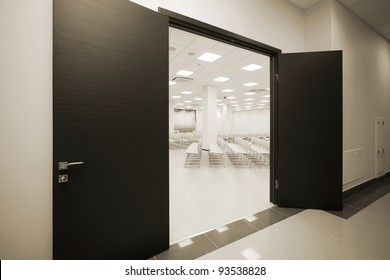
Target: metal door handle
{"points": [[63, 165]]}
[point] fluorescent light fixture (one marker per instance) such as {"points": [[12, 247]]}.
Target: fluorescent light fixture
{"points": [[210, 57], [222, 104], [188, 101], [248, 103], [249, 99], [186, 92], [252, 67], [184, 73], [221, 79], [219, 100], [231, 97], [176, 96], [260, 107], [235, 105], [267, 95], [171, 83], [197, 98], [264, 101], [233, 102], [228, 90], [250, 93], [250, 84], [179, 104]]}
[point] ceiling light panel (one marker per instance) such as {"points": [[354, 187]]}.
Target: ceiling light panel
{"points": [[221, 79], [197, 98], [250, 84], [209, 57], [228, 90], [231, 97], [186, 92], [176, 96], [249, 99], [250, 93], [252, 67], [184, 73], [172, 83]]}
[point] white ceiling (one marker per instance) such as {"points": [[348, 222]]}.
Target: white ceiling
{"points": [[186, 47], [376, 13]]}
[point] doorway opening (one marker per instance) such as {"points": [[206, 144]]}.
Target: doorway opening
{"points": [[219, 121]]}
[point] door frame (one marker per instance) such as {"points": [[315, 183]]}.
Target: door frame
{"points": [[206, 30]]}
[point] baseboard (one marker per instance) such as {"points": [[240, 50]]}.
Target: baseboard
{"points": [[364, 185]]}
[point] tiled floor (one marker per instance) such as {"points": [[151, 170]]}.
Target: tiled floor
{"points": [[360, 231], [205, 198]]}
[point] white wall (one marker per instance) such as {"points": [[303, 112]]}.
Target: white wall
{"points": [[278, 23], [366, 82], [366, 71], [25, 129], [251, 121]]}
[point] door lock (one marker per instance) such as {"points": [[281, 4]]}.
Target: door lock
{"points": [[63, 178]]}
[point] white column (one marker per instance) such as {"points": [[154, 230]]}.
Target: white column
{"points": [[227, 119], [171, 116], [209, 104]]}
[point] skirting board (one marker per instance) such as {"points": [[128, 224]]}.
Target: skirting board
{"points": [[364, 185]]}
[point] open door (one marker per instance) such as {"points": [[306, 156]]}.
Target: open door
{"points": [[110, 165], [309, 130]]}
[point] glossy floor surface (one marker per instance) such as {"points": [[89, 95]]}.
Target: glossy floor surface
{"points": [[207, 197], [360, 231]]}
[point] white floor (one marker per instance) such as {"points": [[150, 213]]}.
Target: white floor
{"points": [[315, 234], [205, 198]]}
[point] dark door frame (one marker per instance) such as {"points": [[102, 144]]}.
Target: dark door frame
{"points": [[206, 30]]}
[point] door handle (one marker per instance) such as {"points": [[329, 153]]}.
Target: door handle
{"points": [[63, 165]]}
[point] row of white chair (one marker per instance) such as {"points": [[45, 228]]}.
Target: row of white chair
{"points": [[183, 140], [193, 154]]}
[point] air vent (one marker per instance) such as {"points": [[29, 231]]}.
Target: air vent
{"points": [[182, 79]]}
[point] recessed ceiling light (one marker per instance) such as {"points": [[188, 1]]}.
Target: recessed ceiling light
{"points": [[176, 96], [231, 97], [235, 105], [222, 104], [171, 83], [186, 92], [221, 79], [250, 93], [267, 95], [250, 84], [210, 57], [219, 100], [248, 103], [197, 98], [188, 101], [232, 102], [184, 73], [251, 67], [249, 99], [179, 104], [228, 90], [264, 101]]}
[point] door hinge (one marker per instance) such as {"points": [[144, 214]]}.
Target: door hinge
{"points": [[276, 184], [277, 77]]}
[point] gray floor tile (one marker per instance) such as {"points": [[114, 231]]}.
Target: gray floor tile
{"points": [[201, 246], [371, 193], [287, 211], [358, 202], [347, 212], [236, 231], [266, 218]]}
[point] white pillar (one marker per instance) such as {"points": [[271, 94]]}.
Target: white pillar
{"points": [[209, 104], [171, 116], [227, 119]]}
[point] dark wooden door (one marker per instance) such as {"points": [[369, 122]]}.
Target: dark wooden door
{"points": [[110, 99], [309, 141]]}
